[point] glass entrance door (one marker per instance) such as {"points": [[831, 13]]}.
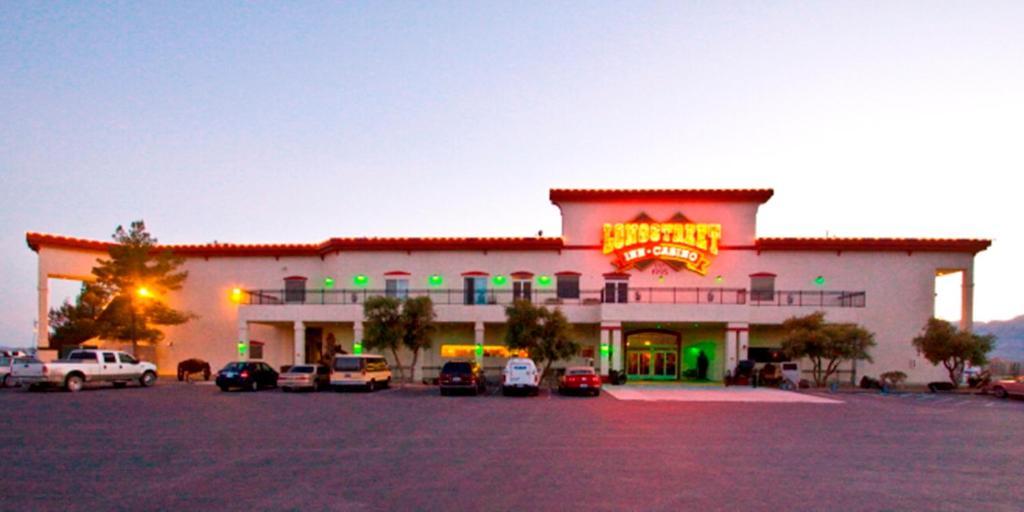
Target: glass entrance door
{"points": [[652, 364], [665, 364]]}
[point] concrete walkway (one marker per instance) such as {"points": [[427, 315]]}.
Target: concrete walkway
{"points": [[713, 394]]}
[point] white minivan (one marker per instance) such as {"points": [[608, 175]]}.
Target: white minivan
{"points": [[365, 370], [521, 374]]}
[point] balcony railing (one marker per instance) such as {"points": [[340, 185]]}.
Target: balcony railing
{"points": [[809, 298], [650, 295]]}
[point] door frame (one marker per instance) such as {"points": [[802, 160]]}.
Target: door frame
{"points": [[652, 350]]}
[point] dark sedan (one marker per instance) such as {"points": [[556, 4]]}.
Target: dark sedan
{"points": [[247, 375]]}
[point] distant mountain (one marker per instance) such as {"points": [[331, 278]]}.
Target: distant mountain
{"points": [[1010, 334]]}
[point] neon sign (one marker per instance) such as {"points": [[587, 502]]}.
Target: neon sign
{"points": [[679, 244]]}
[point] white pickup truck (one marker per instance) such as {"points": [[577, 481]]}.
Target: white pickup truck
{"points": [[83, 366]]}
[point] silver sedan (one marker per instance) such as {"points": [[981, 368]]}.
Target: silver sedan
{"points": [[305, 376]]}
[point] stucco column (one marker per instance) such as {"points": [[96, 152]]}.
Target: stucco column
{"points": [[731, 340], [243, 338], [606, 341], [357, 335], [43, 323], [478, 339], [300, 342], [617, 353], [744, 342], [967, 299]]}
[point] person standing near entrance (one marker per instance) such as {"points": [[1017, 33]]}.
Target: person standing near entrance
{"points": [[702, 366]]}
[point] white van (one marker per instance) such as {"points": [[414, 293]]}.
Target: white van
{"points": [[365, 370], [520, 374]]}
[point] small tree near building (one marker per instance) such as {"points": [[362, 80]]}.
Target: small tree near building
{"points": [[941, 342], [543, 333], [382, 327], [418, 328], [128, 299], [138, 279], [826, 345]]}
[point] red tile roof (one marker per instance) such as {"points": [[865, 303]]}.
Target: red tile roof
{"points": [[970, 245], [35, 240], [576, 195]]}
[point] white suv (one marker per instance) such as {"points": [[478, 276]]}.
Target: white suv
{"points": [[367, 371], [520, 374]]}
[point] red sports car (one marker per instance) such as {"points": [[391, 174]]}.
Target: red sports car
{"points": [[580, 379]]}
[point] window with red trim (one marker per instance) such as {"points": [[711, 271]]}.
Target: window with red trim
{"points": [[295, 289], [522, 286], [762, 287], [568, 285]]}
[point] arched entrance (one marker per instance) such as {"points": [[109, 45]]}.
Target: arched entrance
{"points": [[652, 355]]}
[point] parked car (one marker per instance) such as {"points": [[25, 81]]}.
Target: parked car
{"points": [[580, 379], [1006, 387], [462, 375], [305, 376], [85, 366], [249, 375], [366, 370], [520, 374], [193, 366], [6, 379]]}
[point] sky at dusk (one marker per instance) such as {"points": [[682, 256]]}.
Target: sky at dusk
{"points": [[295, 122]]}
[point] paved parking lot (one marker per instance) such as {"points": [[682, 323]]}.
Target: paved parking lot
{"points": [[191, 447]]}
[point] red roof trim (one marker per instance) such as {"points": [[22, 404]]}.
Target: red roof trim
{"points": [[477, 273], [568, 273], [763, 274], [522, 274], [397, 273], [296, 278], [616, 275], [576, 195], [36, 240], [969, 245], [443, 244]]}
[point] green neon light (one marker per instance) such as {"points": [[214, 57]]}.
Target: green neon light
{"points": [[357, 348], [360, 280], [544, 280], [820, 280], [241, 348], [435, 280], [328, 283], [499, 280], [605, 349], [479, 350]]}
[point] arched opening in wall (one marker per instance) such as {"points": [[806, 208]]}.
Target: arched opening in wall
{"points": [[949, 294], [64, 335]]}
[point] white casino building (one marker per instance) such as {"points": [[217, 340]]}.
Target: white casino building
{"points": [[649, 279]]}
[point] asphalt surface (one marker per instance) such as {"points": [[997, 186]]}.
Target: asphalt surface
{"points": [[192, 447]]}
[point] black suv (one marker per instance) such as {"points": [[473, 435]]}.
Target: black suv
{"points": [[246, 375], [462, 375]]}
